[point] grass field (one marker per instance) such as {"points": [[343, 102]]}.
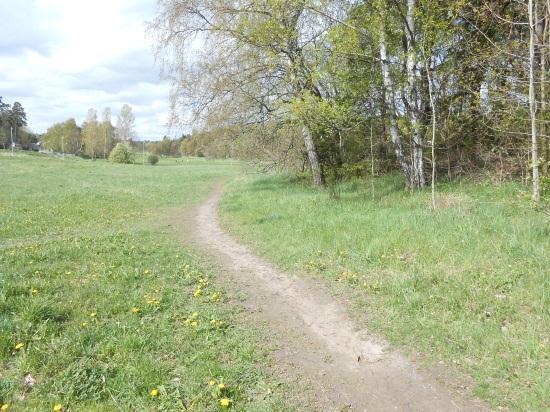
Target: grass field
{"points": [[467, 285], [97, 304]]}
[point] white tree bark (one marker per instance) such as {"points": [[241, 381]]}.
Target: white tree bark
{"points": [[413, 100], [313, 158], [532, 102], [389, 98]]}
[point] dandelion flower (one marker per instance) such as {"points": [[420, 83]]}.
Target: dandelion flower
{"points": [[197, 293], [212, 382], [34, 291], [84, 324], [5, 407], [194, 323], [213, 322], [146, 271], [154, 392], [221, 386], [225, 402], [93, 314], [135, 310], [19, 346], [58, 407]]}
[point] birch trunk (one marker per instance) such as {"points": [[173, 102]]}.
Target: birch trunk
{"points": [[390, 103], [413, 100], [313, 158], [533, 103]]}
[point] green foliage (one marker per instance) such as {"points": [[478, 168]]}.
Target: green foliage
{"points": [[153, 159], [64, 137], [466, 285], [122, 153]]}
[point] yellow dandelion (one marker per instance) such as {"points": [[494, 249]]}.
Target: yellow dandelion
{"points": [[225, 402], [154, 392], [215, 296], [213, 322], [197, 293], [135, 310], [34, 291], [58, 407], [194, 323], [93, 314], [221, 386], [19, 346], [5, 407], [84, 324], [146, 271], [211, 382]]}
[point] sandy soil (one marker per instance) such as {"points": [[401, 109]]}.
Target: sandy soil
{"points": [[316, 341]]}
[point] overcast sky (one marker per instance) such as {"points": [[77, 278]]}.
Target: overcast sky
{"points": [[61, 57]]}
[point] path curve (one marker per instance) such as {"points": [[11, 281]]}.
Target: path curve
{"points": [[348, 369]]}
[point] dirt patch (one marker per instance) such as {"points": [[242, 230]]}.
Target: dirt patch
{"points": [[316, 341]]}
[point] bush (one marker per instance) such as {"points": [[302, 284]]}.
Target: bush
{"points": [[153, 159], [121, 154]]}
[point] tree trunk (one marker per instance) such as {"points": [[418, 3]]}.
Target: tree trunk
{"points": [[533, 103], [390, 103], [313, 158], [413, 101]]}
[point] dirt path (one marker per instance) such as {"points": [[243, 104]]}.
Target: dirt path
{"points": [[347, 369]]}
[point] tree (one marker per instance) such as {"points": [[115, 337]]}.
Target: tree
{"points": [[125, 123], [64, 138], [262, 58], [107, 131], [92, 136]]}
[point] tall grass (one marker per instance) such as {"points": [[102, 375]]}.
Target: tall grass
{"points": [[468, 284]]}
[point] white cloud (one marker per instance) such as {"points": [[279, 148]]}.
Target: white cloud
{"points": [[61, 57]]}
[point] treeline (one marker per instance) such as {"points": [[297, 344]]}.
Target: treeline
{"points": [[94, 138], [436, 89], [13, 130]]}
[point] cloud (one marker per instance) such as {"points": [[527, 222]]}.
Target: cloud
{"points": [[62, 57]]}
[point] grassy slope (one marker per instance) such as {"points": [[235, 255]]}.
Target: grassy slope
{"points": [[78, 251], [467, 285]]}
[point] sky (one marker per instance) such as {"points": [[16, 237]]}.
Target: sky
{"points": [[59, 58]]}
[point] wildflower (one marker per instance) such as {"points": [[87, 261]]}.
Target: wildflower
{"points": [[146, 271], [195, 315], [154, 392], [135, 310], [197, 293], [5, 407], [19, 346], [211, 382], [93, 314], [221, 386], [225, 402], [194, 323], [213, 322], [84, 324], [58, 407], [34, 291], [215, 296]]}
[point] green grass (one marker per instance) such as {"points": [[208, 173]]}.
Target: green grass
{"points": [[467, 285], [80, 248]]}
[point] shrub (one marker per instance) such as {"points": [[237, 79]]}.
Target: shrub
{"points": [[153, 159], [121, 154]]}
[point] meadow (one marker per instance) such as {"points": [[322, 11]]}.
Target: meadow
{"points": [[466, 285], [101, 308]]}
